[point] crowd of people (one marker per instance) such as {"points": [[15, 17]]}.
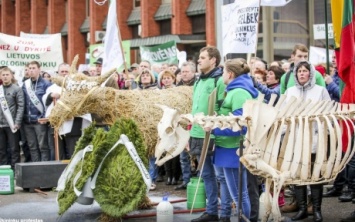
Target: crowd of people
{"points": [[24, 124]]}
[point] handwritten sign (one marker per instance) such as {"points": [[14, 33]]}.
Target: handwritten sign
{"points": [[319, 31], [240, 26], [5, 184], [18, 51]]}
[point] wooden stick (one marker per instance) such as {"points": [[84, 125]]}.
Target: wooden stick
{"points": [[56, 140]]}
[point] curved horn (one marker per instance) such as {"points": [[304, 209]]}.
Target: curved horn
{"points": [[58, 80], [73, 65], [103, 77]]}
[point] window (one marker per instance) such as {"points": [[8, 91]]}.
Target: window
{"points": [[136, 3], [198, 24], [165, 27], [135, 31]]}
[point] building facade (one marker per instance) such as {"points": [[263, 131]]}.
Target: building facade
{"points": [[191, 23]]}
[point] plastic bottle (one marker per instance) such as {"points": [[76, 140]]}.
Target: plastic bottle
{"points": [[165, 211], [7, 185]]}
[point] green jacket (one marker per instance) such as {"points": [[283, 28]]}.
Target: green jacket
{"points": [[202, 89]]}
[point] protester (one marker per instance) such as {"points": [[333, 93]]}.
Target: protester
{"points": [[36, 133], [240, 88], [71, 130], [272, 83], [12, 106], [305, 88], [98, 64], [209, 80], [188, 78]]}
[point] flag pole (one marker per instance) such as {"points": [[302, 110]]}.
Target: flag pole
{"points": [[120, 39], [326, 34]]}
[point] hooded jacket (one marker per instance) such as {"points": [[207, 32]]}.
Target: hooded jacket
{"points": [[308, 91], [319, 80], [238, 91]]}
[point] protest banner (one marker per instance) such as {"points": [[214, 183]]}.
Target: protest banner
{"points": [[164, 53], [240, 26], [96, 51], [17, 51], [319, 55]]}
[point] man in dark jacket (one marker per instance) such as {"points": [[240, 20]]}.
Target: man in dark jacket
{"points": [[36, 133], [188, 78], [11, 113]]}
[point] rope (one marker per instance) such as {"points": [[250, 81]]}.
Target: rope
{"points": [[100, 3]]}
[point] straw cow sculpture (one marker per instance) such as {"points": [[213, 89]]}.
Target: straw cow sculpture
{"points": [[287, 160], [82, 94]]}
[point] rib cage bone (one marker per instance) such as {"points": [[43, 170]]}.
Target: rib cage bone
{"points": [[287, 160]]}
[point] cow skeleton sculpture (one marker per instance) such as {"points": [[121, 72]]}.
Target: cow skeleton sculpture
{"points": [[278, 143]]}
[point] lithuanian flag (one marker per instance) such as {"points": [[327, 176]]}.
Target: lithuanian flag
{"points": [[343, 15]]}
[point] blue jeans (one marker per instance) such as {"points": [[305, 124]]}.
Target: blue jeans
{"points": [[210, 175], [232, 179], [153, 169], [185, 166]]}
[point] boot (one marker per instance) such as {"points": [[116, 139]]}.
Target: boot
{"points": [[301, 196], [316, 195]]}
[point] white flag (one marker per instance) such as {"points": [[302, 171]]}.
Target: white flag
{"points": [[274, 2], [113, 56]]}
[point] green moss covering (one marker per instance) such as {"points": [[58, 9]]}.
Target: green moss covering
{"points": [[67, 197], [119, 187]]}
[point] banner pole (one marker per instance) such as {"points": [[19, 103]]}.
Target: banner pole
{"points": [[326, 34]]}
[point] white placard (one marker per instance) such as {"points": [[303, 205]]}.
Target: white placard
{"points": [[16, 52], [319, 31], [274, 2], [240, 26], [5, 185], [319, 55]]}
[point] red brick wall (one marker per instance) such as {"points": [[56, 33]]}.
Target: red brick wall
{"points": [[23, 17], [56, 15], [180, 22], [210, 24], [8, 17], [124, 9], [56, 20], [38, 16], [149, 26], [0, 17], [76, 39], [97, 17]]}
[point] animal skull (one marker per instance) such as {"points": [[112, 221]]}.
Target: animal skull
{"points": [[172, 136]]}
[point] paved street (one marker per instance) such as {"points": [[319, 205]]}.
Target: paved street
{"points": [[43, 208]]}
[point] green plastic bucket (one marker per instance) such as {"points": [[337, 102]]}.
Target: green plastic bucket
{"points": [[6, 180], [200, 201]]}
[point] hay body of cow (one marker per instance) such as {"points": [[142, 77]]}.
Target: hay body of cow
{"points": [[84, 94]]}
